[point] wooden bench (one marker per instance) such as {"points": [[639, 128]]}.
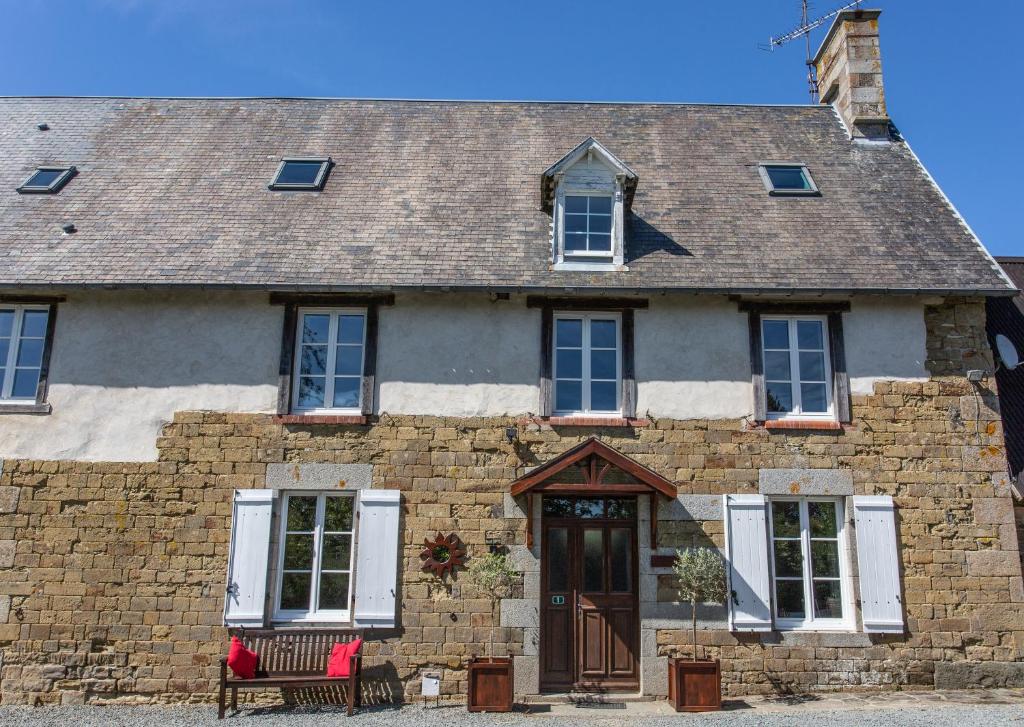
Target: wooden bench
{"points": [[292, 659]]}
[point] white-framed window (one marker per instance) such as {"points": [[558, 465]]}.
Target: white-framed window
{"points": [[330, 347], [810, 588], [588, 225], [797, 367], [316, 555], [587, 373], [22, 345]]}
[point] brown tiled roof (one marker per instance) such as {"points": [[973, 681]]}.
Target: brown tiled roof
{"points": [[434, 194]]}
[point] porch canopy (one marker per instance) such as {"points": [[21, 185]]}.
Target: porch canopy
{"points": [[593, 468]]}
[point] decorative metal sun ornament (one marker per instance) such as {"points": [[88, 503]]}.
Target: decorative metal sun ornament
{"points": [[443, 554]]}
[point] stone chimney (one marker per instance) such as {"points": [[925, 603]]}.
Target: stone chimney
{"points": [[849, 68]]}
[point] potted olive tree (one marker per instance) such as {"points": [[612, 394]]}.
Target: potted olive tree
{"points": [[490, 677], [696, 686]]}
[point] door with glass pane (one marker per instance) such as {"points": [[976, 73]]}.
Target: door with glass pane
{"points": [[589, 612]]}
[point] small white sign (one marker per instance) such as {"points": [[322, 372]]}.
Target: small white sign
{"points": [[431, 684]]}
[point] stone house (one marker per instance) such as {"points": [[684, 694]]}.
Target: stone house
{"points": [[588, 334]]}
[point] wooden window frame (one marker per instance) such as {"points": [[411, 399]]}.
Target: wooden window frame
{"points": [[335, 315], [585, 378], [292, 302], [810, 623], [37, 405], [313, 615], [839, 379], [795, 374], [625, 308]]}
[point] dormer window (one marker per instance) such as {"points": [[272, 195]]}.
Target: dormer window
{"points": [[588, 193], [588, 225]]}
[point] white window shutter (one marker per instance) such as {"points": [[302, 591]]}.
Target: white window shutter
{"points": [[878, 563], [746, 548], [247, 559], [377, 558]]}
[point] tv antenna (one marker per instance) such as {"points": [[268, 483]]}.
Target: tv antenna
{"points": [[804, 29]]}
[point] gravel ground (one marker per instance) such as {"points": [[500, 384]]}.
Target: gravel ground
{"points": [[191, 716]]}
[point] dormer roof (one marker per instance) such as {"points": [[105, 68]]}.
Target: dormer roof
{"points": [[590, 145]]}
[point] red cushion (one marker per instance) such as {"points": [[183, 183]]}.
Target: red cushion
{"points": [[341, 654], [241, 660]]}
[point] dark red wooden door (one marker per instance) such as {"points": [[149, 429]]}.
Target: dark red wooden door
{"points": [[589, 610]]}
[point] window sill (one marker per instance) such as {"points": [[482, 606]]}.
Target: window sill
{"points": [[588, 421], [284, 624], [357, 419], [33, 408], [827, 425], [597, 265], [839, 628]]}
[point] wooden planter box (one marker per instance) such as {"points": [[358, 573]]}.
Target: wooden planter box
{"points": [[490, 685], [695, 686]]}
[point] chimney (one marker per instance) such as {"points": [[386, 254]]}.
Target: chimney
{"points": [[849, 70]]}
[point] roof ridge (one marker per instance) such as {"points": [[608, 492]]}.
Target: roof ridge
{"points": [[397, 99]]}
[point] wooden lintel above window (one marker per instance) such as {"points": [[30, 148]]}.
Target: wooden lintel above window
{"points": [[32, 299], [332, 299], [591, 303], [774, 307]]}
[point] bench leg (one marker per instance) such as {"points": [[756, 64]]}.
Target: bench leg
{"points": [[221, 693], [351, 696], [234, 699]]}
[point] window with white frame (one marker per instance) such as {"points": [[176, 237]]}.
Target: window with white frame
{"points": [[588, 363], [22, 346], [797, 370], [588, 225], [808, 566], [315, 564], [329, 358]]}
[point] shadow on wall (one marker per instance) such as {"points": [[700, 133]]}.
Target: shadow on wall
{"points": [[160, 340]]}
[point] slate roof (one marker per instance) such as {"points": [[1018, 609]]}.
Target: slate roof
{"points": [[435, 194]]}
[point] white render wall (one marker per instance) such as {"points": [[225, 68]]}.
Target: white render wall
{"points": [[124, 362]]}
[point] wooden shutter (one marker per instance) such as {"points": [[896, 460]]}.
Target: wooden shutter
{"points": [[369, 360], [246, 594], [878, 563], [746, 539], [377, 558], [284, 374], [757, 367], [628, 365], [547, 323], [44, 363], [840, 379]]}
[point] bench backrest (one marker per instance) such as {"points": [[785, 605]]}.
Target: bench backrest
{"points": [[301, 652]]}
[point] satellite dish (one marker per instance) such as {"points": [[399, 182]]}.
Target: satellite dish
{"points": [[1007, 352]]}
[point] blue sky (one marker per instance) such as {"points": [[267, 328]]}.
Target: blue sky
{"points": [[952, 70]]}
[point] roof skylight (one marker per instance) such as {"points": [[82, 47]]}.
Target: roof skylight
{"points": [[301, 174], [786, 179], [47, 180]]}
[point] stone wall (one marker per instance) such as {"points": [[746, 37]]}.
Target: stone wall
{"points": [[112, 574]]}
